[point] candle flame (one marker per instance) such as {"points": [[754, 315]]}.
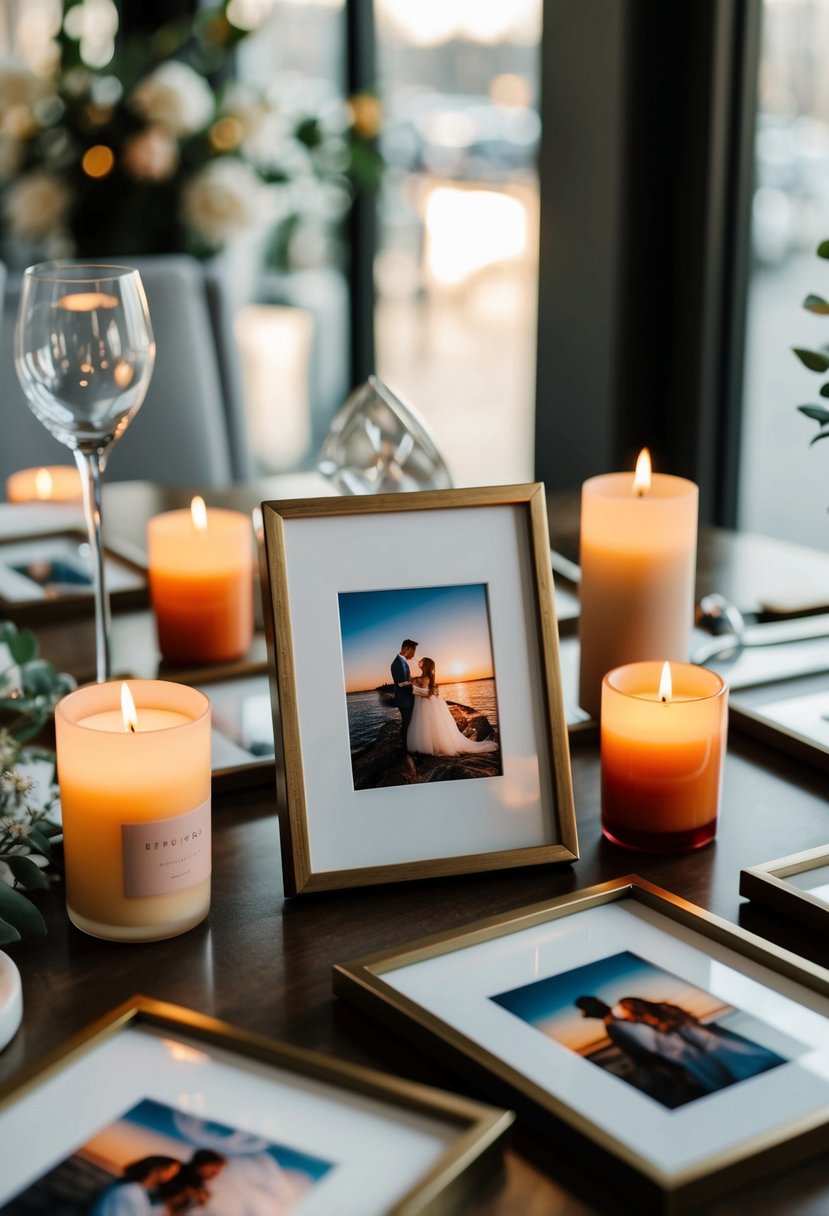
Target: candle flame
{"points": [[128, 710], [198, 511], [642, 476], [666, 690], [87, 301], [43, 483]]}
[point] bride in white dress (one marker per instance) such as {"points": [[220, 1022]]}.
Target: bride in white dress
{"points": [[433, 731]]}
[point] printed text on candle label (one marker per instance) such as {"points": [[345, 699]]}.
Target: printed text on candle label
{"points": [[166, 855]]}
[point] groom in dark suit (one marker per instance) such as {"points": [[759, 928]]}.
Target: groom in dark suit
{"points": [[403, 696]]}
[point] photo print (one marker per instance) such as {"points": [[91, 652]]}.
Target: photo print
{"points": [[420, 685], [156, 1159], [666, 1037]]}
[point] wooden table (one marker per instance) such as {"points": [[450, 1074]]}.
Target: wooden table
{"points": [[264, 963]]}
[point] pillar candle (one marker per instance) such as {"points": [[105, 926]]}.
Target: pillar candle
{"points": [[136, 809], [201, 583], [638, 560], [58, 483], [662, 750]]}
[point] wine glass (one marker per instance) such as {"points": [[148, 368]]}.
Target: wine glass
{"points": [[84, 354], [378, 445]]}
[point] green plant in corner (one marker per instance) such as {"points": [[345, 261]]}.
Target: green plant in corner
{"points": [[30, 688], [817, 360]]}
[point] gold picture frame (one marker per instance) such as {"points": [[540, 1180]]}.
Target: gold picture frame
{"points": [[457, 994], [316, 553], [788, 885], [219, 1063]]}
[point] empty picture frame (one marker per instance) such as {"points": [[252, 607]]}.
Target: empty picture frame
{"points": [[464, 574], [797, 886], [678, 1053], [289, 1128]]}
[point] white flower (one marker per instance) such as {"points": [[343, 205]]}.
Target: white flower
{"points": [[16, 782], [15, 828], [224, 200], [151, 155], [249, 109], [175, 96], [36, 204]]}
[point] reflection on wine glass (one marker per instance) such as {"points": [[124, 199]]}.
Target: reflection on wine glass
{"points": [[378, 445], [84, 354]]}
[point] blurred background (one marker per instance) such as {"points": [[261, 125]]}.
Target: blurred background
{"points": [[553, 276]]}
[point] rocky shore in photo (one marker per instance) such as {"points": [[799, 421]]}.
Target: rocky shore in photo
{"points": [[384, 763]]}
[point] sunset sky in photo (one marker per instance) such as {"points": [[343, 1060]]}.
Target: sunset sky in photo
{"points": [[451, 625]]}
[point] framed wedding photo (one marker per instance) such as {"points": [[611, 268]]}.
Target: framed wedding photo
{"points": [[155, 1102], [418, 713], [676, 1052], [797, 886]]}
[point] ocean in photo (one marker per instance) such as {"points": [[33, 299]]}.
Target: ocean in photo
{"points": [[368, 711]]}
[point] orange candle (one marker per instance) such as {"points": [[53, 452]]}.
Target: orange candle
{"points": [[201, 583], [135, 794], [58, 483], [663, 739], [638, 560]]}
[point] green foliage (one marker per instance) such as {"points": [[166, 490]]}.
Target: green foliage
{"points": [[817, 360], [30, 687]]}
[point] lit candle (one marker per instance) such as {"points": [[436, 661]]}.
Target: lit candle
{"points": [[663, 739], [58, 483], [201, 583], [638, 559], [134, 774]]}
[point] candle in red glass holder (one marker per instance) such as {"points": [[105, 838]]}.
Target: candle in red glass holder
{"points": [[663, 741], [201, 583]]}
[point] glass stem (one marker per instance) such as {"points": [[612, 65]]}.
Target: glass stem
{"points": [[91, 466]]}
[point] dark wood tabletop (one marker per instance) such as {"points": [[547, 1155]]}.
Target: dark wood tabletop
{"points": [[264, 963]]}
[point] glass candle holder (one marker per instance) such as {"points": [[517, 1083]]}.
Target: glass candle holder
{"points": [[136, 809], [662, 756]]}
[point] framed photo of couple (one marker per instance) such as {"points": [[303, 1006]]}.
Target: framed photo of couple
{"points": [[158, 1108], [676, 1052], [418, 712]]}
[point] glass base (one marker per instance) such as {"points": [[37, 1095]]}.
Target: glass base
{"points": [[137, 933], [659, 842]]}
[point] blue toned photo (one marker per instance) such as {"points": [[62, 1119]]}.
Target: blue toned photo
{"points": [[420, 685], [664, 1036], [157, 1161]]}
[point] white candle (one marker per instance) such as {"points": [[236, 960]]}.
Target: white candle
{"points": [[638, 560]]}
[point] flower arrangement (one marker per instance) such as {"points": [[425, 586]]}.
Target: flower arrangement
{"points": [[29, 690], [817, 360], [159, 151]]}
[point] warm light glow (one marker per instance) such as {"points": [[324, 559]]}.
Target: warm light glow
{"points": [[183, 1053], [226, 133], [123, 374], [666, 688], [43, 483], [432, 22], [87, 301], [128, 710], [468, 230], [642, 476], [98, 161], [198, 511]]}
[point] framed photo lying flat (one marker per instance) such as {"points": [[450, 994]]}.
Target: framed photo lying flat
{"points": [[420, 727], [156, 1101], [680, 1054], [797, 886]]}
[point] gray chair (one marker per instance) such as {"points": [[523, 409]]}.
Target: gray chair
{"points": [[191, 428]]}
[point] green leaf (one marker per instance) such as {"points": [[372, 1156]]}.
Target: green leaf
{"points": [[817, 304], [813, 359], [820, 435], [23, 648], [40, 842], [824, 390], [818, 412], [823, 249], [21, 913], [27, 873], [8, 933], [37, 677], [8, 630]]}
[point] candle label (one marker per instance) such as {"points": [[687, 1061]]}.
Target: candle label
{"points": [[166, 855]]}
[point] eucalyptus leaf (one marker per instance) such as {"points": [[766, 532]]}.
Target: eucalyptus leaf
{"points": [[37, 677], [35, 725], [8, 933], [819, 412], [40, 842], [27, 873], [8, 630], [824, 390], [823, 249], [23, 648], [817, 304], [21, 913], [820, 435], [813, 359]]}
